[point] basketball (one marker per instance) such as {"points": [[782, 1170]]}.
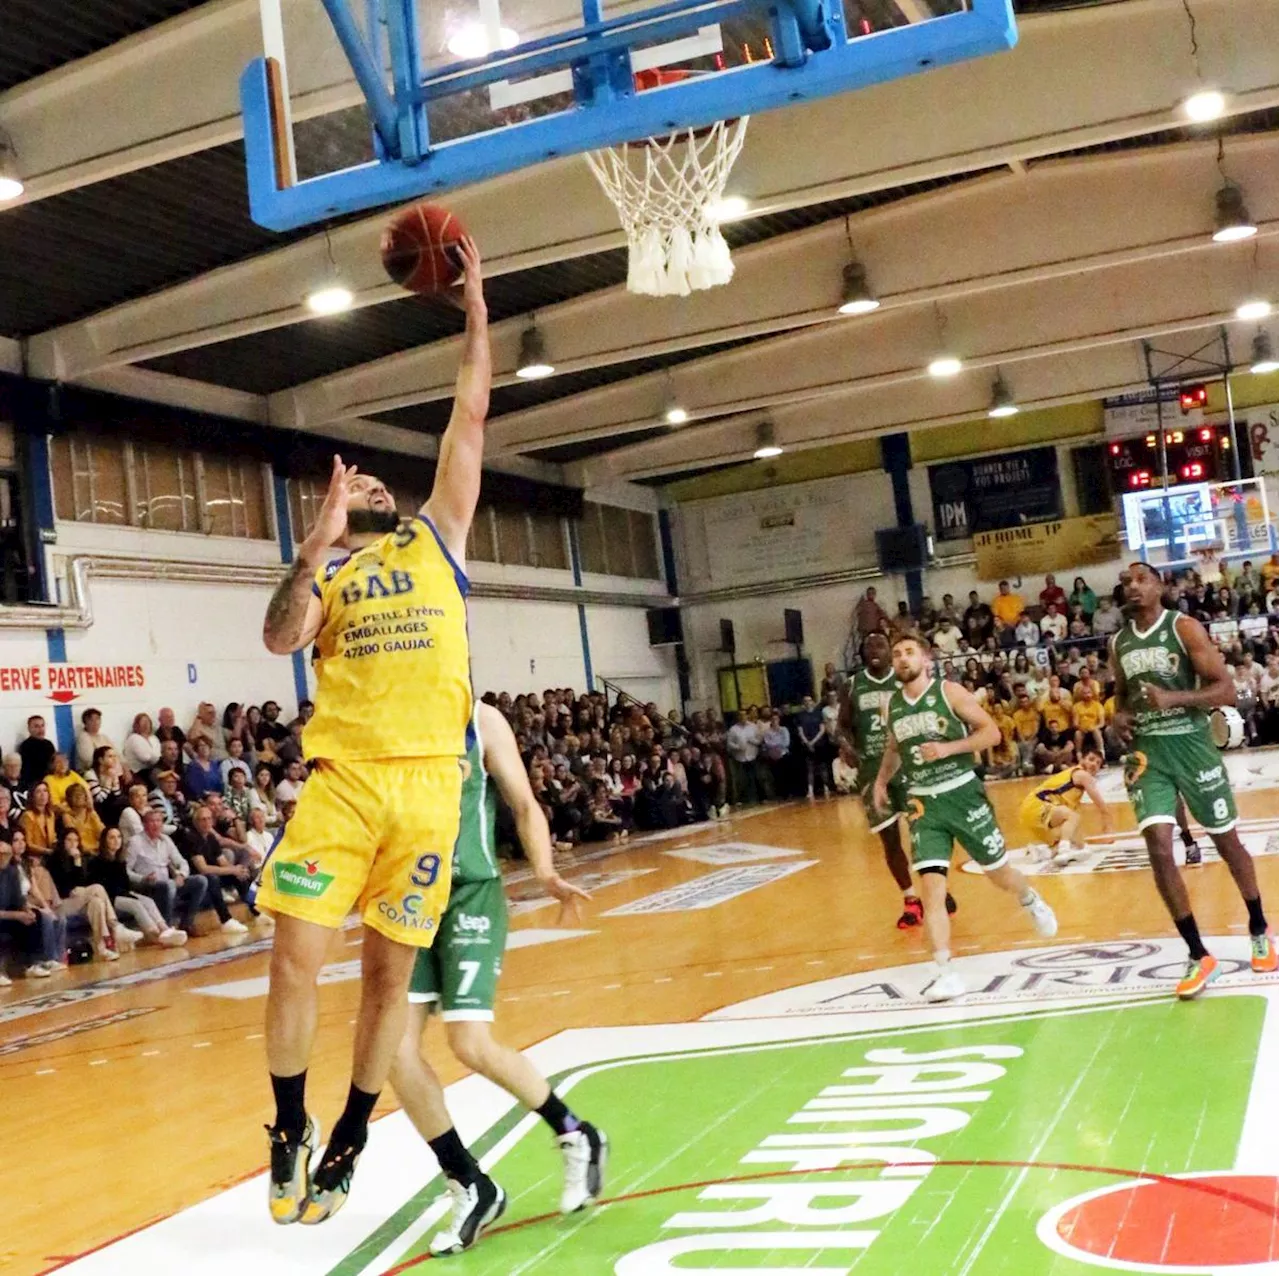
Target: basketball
{"points": [[420, 248]]}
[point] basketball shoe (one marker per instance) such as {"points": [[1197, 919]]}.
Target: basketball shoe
{"points": [[290, 1182]]}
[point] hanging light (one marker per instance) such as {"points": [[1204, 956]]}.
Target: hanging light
{"points": [[10, 183], [1231, 220], [945, 365], [1264, 357], [766, 443], [1002, 403], [533, 365], [857, 297], [1206, 105], [331, 296], [471, 40], [1253, 310]]}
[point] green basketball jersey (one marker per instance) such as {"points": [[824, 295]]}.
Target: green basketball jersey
{"points": [[474, 854], [916, 722], [1157, 656], [869, 701]]}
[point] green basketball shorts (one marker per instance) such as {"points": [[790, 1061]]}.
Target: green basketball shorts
{"points": [[879, 820], [962, 814], [459, 973], [1161, 767]]}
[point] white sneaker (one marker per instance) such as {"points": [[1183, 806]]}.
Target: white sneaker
{"points": [[5, 981], [1068, 854], [1042, 916], [945, 987], [233, 927], [171, 938], [1039, 852], [474, 1208], [121, 931], [54, 967], [725, 808], [107, 954], [585, 1152], [38, 971]]}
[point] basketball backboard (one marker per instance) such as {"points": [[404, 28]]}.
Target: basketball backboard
{"points": [[454, 94], [1201, 525]]}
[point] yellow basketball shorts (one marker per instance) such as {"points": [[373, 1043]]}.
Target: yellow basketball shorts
{"points": [[1033, 815], [376, 834]]}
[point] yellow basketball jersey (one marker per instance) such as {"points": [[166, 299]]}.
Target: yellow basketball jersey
{"points": [[1059, 789], [393, 676]]}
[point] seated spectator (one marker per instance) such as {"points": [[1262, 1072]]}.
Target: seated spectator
{"points": [[107, 869], [1084, 598], [258, 839], [157, 870], [33, 928], [1069, 667], [978, 623], [1026, 631], [844, 770], [36, 753], [295, 776], [169, 800], [235, 761], [1269, 698], [1053, 624], [172, 758], [238, 797], [271, 732], [1088, 718], [1056, 749], [226, 826], [39, 822], [8, 818], [107, 785], [1006, 605], [1247, 680], [200, 846], [235, 726], [1003, 762], [603, 823], [11, 782], [60, 778], [167, 729], [290, 748], [202, 775], [1053, 595], [205, 727], [946, 637], [1026, 728], [1247, 581], [130, 821], [307, 708], [80, 816], [264, 795], [141, 752], [90, 738], [1078, 628], [74, 895], [661, 805]]}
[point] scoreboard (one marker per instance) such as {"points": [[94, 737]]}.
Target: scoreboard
{"points": [[1195, 454]]}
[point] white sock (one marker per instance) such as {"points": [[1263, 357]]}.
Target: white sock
{"points": [[1028, 899], [942, 959]]}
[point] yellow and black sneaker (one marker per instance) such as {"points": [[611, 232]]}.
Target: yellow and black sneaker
{"points": [[331, 1182], [290, 1183]]}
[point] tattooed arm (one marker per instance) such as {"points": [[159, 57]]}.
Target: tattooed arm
{"points": [[294, 612]]}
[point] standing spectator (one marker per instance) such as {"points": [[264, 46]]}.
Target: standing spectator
{"points": [[205, 727], [107, 785], [141, 750], [775, 747], [11, 782], [39, 822], [168, 729], [203, 775], [743, 745], [1108, 618], [169, 800], [1053, 595], [80, 816], [1006, 605], [1084, 598], [89, 738], [1053, 624], [107, 869], [60, 778], [868, 615], [832, 680], [36, 753], [979, 620], [1026, 729], [814, 748], [39, 932], [158, 871]]}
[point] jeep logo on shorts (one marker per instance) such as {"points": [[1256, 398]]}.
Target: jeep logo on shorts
{"points": [[303, 880], [478, 925], [1210, 777]]}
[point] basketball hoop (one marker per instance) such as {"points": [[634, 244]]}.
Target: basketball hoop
{"points": [[665, 190]]}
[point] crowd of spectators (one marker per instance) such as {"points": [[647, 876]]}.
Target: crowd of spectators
{"points": [[115, 846]]}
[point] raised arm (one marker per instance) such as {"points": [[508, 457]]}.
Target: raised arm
{"points": [[452, 502]]}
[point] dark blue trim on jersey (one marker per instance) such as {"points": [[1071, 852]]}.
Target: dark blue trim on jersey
{"points": [[459, 576]]}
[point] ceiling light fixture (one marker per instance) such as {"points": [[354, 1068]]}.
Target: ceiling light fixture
{"points": [[471, 40], [945, 365], [1264, 357], [1203, 106], [1231, 218], [1253, 310], [858, 299], [330, 296], [534, 364], [675, 415], [766, 443], [10, 183], [1002, 403]]}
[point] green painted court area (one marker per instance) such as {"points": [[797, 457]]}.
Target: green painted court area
{"points": [[1153, 1086]]}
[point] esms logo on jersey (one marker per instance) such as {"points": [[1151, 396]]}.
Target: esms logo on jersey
{"points": [[376, 585]]}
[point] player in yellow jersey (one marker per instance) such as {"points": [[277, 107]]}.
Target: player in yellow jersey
{"points": [[377, 820], [1050, 813]]}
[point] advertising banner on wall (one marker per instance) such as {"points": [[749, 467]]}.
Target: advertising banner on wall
{"points": [[1047, 547], [993, 492], [63, 683]]}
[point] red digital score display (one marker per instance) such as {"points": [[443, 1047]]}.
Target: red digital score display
{"points": [[1197, 455]]}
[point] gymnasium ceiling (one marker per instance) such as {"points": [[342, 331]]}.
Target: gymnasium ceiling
{"points": [[1038, 212]]}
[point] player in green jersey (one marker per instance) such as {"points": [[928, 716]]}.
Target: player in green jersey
{"points": [[935, 729], [459, 974], [1168, 676], [866, 717]]}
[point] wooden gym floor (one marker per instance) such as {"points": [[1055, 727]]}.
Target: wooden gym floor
{"points": [[130, 1093]]}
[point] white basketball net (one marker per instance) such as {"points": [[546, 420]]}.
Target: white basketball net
{"points": [[665, 190]]}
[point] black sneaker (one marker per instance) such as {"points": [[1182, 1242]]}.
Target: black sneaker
{"points": [[331, 1183], [290, 1182], [912, 913], [475, 1207]]}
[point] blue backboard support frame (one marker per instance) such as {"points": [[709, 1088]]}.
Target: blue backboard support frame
{"points": [[814, 58]]}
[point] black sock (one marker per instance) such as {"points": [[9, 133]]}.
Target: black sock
{"points": [[352, 1127], [455, 1160], [291, 1110], [1257, 922], [1189, 931], [557, 1116], [1187, 839]]}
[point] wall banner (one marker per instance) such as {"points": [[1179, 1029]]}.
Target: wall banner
{"points": [[992, 492], [1047, 547]]}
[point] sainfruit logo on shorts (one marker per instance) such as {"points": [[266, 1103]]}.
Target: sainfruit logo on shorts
{"points": [[303, 880]]}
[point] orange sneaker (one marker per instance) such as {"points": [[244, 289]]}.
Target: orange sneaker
{"points": [[1200, 973], [1263, 959]]}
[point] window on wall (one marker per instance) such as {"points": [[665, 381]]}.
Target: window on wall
{"points": [[618, 542], [514, 548], [232, 498], [306, 495], [164, 489], [549, 549], [481, 547], [89, 479]]}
